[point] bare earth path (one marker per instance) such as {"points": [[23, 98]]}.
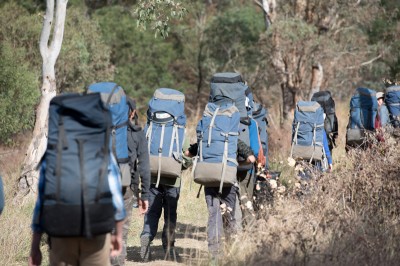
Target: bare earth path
{"points": [[191, 242]]}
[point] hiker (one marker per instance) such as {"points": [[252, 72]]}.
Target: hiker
{"points": [[382, 118], [1, 195], [219, 142], [363, 111], [392, 101], [309, 139], [84, 216], [165, 131], [324, 98], [140, 167], [246, 174], [221, 201], [327, 152]]}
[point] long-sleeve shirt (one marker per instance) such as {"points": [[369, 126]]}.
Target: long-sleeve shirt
{"points": [[114, 181], [139, 160]]}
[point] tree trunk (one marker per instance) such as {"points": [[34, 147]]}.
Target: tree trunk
{"points": [[316, 79], [49, 51]]}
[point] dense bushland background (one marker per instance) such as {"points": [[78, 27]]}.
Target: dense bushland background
{"points": [[350, 216]]}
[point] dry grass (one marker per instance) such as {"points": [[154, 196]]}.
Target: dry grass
{"points": [[348, 217]]}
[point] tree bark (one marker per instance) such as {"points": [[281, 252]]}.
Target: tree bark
{"points": [[29, 175], [316, 79]]}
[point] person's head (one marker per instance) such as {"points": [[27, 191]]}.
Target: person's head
{"points": [[380, 96]]}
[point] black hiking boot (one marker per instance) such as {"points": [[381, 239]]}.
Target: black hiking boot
{"points": [[145, 248]]}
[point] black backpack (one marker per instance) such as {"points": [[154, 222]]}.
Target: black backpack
{"points": [[324, 98], [77, 200]]}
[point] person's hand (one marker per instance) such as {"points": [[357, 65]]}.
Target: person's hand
{"points": [[143, 206], [251, 159], [35, 257], [116, 239], [116, 245], [330, 168], [188, 154]]}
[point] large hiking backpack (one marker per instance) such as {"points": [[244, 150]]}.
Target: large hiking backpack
{"points": [[165, 132], [363, 110], [392, 100], [114, 98], [230, 86], [217, 135], [77, 200], [260, 115], [324, 98], [307, 133]]}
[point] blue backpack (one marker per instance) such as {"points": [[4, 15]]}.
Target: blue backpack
{"points": [[363, 110], [217, 135], [260, 115], [392, 100], [114, 98], [307, 133], [229, 86], [165, 132], [77, 200]]}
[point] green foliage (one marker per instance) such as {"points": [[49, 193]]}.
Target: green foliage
{"points": [[19, 92], [84, 56], [384, 31], [232, 39], [158, 13], [22, 30], [141, 61]]}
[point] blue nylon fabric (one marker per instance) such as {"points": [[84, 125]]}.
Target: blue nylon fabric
{"points": [[174, 108], [392, 100], [308, 121], [363, 109], [222, 124], [119, 114]]}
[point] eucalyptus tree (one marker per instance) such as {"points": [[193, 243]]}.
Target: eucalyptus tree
{"points": [[50, 46]]}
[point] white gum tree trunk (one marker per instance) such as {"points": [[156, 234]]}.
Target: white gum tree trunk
{"points": [[53, 26]]}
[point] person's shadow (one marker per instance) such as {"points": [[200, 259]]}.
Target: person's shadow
{"points": [[187, 245]]}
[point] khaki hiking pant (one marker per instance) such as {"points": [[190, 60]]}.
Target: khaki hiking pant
{"points": [[80, 251]]}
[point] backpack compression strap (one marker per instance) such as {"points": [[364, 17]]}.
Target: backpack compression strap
{"points": [[225, 158]]}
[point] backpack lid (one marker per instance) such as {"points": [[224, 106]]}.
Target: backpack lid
{"points": [[226, 77], [106, 88], [321, 96], [308, 106], [392, 88], [365, 92], [169, 94]]}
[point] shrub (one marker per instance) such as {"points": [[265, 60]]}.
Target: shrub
{"points": [[18, 92]]}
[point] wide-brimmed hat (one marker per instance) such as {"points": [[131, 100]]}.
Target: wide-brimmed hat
{"points": [[380, 95]]}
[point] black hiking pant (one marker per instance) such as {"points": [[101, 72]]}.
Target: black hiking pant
{"points": [[219, 225], [161, 198]]}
